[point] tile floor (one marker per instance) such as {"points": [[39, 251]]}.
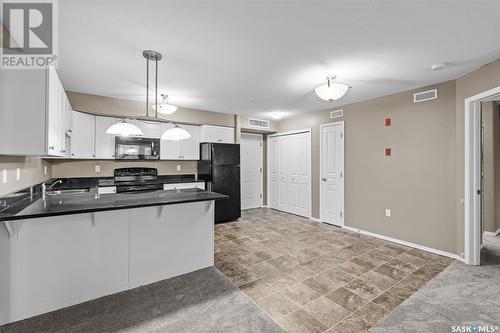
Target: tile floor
{"points": [[312, 277]]}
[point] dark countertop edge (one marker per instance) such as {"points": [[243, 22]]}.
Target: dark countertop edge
{"points": [[103, 209]]}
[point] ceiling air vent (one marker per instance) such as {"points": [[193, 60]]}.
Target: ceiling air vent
{"points": [[337, 114], [258, 123], [425, 95]]}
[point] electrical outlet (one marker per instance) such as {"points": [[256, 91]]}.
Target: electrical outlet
{"points": [[4, 176], [97, 168], [178, 167], [388, 212], [18, 174]]}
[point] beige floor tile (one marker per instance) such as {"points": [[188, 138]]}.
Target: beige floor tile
{"points": [[282, 262], [277, 305], [280, 280], [257, 289], [263, 269], [388, 300], [353, 268], [364, 289], [320, 284], [391, 272], [338, 276], [347, 299], [300, 294], [371, 313], [326, 311], [382, 281], [351, 324], [301, 322]]}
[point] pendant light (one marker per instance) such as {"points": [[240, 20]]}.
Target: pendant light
{"points": [[175, 133], [331, 91], [164, 107], [124, 128]]}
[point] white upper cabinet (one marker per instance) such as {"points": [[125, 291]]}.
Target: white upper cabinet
{"points": [[104, 143], [33, 107], [188, 149], [83, 136], [220, 134]]}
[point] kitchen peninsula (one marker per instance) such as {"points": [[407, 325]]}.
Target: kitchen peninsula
{"points": [[71, 244]]}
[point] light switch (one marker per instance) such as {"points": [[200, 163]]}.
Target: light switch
{"points": [[178, 167], [388, 212], [4, 176], [97, 168], [18, 174], [44, 169]]}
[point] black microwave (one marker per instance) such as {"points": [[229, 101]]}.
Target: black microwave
{"points": [[137, 148]]}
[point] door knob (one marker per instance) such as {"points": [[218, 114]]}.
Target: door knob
{"points": [[324, 179]]}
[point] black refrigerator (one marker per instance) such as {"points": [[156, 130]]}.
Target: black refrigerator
{"points": [[219, 167]]}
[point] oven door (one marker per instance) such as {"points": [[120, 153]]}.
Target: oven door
{"points": [[134, 148]]}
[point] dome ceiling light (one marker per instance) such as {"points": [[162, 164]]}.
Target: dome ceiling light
{"points": [[124, 128], [164, 107], [331, 91]]}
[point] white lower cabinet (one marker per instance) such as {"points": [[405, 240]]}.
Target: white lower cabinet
{"points": [[178, 186], [59, 261]]}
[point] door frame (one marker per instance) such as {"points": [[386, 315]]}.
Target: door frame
{"points": [[261, 137], [341, 122], [472, 164], [268, 164]]}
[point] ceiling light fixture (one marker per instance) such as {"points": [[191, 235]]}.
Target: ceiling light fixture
{"points": [[277, 115], [438, 66], [164, 107], [124, 128], [331, 91], [175, 133]]}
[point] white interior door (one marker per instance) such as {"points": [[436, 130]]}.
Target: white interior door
{"points": [[290, 173], [332, 174], [251, 170]]}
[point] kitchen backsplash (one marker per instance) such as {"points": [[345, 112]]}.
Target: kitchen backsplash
{"points": [[87, 168], [32, 170]]}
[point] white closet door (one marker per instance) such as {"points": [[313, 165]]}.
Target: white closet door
{"points": [[274, 172], [290, 173], [251, 159]]}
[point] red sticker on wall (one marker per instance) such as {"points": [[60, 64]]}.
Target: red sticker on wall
{"points": [[387, 121], [387, 151]]}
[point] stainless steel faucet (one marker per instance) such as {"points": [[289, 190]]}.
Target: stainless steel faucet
{"points": [[45, 188]]}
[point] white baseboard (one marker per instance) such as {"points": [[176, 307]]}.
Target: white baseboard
{"points": [[405, 243], [490, 233], [314, 219]]}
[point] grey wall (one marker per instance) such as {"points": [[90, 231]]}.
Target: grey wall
{"points": [[417, 182]]}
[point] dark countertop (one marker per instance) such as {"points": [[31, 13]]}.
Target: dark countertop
{"points": [[33, 206]]}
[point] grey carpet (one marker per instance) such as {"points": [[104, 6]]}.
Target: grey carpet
{"points": [[461, 295], [202, 301]]}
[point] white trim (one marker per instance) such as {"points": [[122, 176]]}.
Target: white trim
{"points": [[472, 175], [405, 243], [268, 159], [341, 122], [493, 233], [303, 130], [315, 219], [261, 165]]}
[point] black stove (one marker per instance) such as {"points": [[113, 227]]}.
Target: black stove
{"points": [[137, 179]]}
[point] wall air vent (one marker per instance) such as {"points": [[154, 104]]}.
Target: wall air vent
{"points": [[425, 95], [258, 123], [337, 114]]}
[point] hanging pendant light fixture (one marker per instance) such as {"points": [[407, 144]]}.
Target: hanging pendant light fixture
{"points": [[164, 107], [124, 128], [176, 133], [331, 91]]}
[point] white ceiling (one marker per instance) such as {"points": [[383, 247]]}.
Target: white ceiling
{"points": [[258, 57]]}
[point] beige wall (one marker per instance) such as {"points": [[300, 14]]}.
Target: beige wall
{"points": [[417, 182], [86, 168], [482, 79], [490, 123], [32, 172], [496, 140], [109, 106]]}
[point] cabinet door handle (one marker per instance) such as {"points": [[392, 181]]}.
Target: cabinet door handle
{"points": [[63, 150], [51, 147]]}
